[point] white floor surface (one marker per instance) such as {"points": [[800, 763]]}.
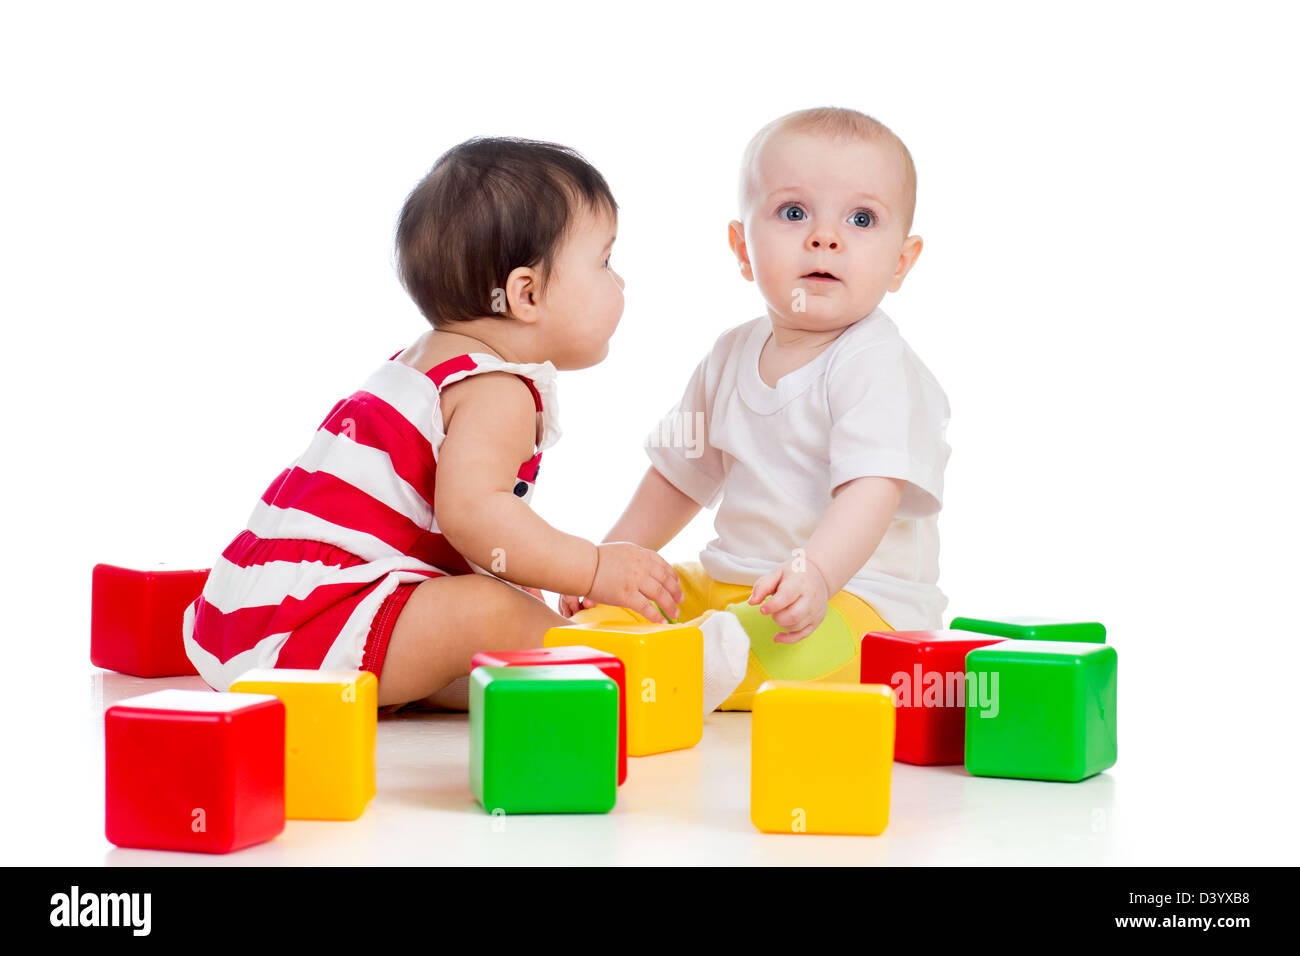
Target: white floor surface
{"points": [[1155, 806]]}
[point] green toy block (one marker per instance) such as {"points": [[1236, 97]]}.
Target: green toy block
{"points": [[1034, 629], [1041, 710], [543, 739]]}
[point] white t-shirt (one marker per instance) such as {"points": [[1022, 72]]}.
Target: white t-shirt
{"points": [[865, 406]]}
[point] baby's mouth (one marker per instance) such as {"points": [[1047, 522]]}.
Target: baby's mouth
{"points": [[821, 276]]}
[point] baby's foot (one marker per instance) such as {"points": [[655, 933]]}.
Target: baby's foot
{"points": [[726, 656]]}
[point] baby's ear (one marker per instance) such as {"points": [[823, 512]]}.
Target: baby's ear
{"points": [[907, 257], [736, 235], [736, 240], [520, 293], [912, 249]]}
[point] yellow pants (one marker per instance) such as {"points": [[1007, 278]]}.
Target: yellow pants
{"points": [[830, 653]]}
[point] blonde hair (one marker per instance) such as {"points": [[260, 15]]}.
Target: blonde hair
{"points": [[831, 122]]}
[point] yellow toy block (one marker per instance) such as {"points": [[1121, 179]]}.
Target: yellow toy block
{"points": [[665, 679], [329, 738], [821, 755]]}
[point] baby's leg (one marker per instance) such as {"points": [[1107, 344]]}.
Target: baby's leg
{"points": [[444, 624]]}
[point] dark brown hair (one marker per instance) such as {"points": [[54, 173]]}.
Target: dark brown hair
{"points": [[487, 207]]}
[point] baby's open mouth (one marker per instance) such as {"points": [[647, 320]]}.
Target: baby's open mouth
{"points": [[820, 275]]}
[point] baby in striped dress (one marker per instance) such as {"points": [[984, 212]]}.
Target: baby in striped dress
{"points": [[402, 541]]}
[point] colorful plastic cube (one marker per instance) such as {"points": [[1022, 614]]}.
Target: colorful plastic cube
{"points": [[665, 679], [1041, 710], [821, 755], [1034, 629], [330, 725], [609, 665], [927, 672], [543, 739], [135, 619], [194, 770]]}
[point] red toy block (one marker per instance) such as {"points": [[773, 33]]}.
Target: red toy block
{"points": [[931, 711], [135, 619], [194, 770], [610, 664]]}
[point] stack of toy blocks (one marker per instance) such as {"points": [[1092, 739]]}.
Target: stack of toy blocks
{"points": [[330, 727], [821, 755], [194, 770], [608, 664], [665, 679], [136, 618], [543, 739], [1026, 697], [1049, 695]]}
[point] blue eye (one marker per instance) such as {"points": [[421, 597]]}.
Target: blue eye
{"points": [[792, 213], [863, 218]]}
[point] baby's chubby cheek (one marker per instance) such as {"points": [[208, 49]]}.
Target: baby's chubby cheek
{"points": [[776, 281], [788, 295], [594, 345]]}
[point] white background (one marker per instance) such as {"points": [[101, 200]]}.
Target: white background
{"points": [[197, 211]]}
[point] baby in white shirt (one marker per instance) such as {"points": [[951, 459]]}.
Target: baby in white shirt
{"points": [[815, 428]]}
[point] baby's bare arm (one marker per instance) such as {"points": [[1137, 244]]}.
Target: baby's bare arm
{"points": [[491, 424], [656, 513], [852, 527]]}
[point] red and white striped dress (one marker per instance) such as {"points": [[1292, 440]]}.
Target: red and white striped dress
{"points": [[342, 537]]}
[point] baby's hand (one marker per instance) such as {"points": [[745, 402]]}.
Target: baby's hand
{"points": [[798, 599], [570, 604], [637, 578]]}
